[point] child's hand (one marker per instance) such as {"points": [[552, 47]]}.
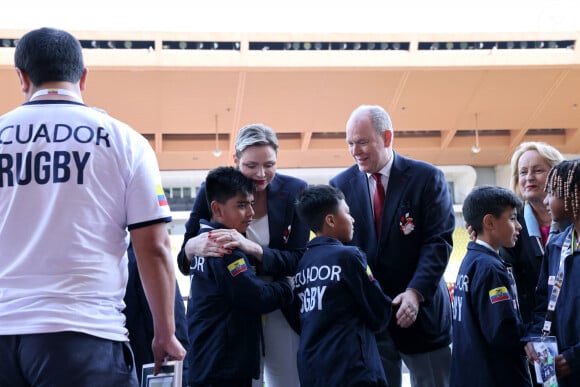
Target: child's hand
{"points": [[562, 367], [531, 353]]}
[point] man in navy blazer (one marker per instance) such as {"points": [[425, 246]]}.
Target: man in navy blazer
{"points": [[409, 253]]}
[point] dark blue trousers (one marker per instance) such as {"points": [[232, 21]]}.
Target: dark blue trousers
{"points": [[65, 359]]}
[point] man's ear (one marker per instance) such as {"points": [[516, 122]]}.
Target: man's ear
{"points": [[387, 138], [25, 83], [83, 80]]}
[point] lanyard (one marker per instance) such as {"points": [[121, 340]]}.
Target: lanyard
{"points": [[567, 250], [66, 92], [514, 288]]}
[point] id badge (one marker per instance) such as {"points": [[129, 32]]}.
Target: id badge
{"points": [[547, 349]]}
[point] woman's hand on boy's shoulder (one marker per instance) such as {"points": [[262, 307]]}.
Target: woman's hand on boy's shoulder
{"points": [[223, 241], [471, 232], [205, 245]]}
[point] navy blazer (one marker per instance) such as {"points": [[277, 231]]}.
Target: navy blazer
{"points": [[414, 246], [288, 235]]}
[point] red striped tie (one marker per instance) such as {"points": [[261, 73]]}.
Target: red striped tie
{"points": [[378, 201]]}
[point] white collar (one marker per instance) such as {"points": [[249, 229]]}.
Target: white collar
{"points": [[386, 170], [485, 244]]}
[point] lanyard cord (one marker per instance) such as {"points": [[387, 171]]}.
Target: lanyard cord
{"points": [[567, 250], [66, 92]]}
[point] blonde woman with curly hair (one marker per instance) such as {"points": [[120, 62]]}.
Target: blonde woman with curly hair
{"points": [[530, 164]]}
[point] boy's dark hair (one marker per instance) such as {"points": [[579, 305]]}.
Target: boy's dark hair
{"points": [[223, 183], [563, 181], [315, 202], [49, 55], [487, 199]]}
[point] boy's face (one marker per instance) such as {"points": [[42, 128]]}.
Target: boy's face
{"points": [[506, 229], [236, 213], [343, 222], [556, 208]]}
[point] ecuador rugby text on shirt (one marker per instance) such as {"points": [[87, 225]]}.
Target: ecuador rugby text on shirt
{"points": [[54, 166], [309, 282]]}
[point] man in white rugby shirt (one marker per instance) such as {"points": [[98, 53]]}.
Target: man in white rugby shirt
{"points": [[74, 183]]}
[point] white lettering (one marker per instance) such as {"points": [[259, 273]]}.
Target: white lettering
{"points": [[311, 298], [335, 273], [197, 263], [320, 294], [324, 273], [462, 283], [457, 305], [317, 273]]}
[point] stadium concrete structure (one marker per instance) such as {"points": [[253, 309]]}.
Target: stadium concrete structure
{"points": [[462, 101], [188, 93]]}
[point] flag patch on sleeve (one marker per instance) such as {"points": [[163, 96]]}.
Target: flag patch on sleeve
{"points": [[499, 294], [237, 267], [370, 274], [161, 196]]}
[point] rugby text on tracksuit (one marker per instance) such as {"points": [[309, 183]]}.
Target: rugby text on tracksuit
{"points": [[341, 305]]}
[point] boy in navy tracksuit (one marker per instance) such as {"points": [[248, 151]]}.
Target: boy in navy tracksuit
{"points": [[487, 326], [227, 299], [341, 303]]}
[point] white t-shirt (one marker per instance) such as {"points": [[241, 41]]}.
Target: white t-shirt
{"points": [[73, 180], [259, 231]]}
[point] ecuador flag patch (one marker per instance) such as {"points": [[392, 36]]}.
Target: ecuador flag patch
{"points": [[161, 196], [499, 294], [237, 267], [370, 274]]}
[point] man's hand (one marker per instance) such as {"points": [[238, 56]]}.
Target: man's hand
{"points": [[166, 350], [408, 303], [153, 252]]}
